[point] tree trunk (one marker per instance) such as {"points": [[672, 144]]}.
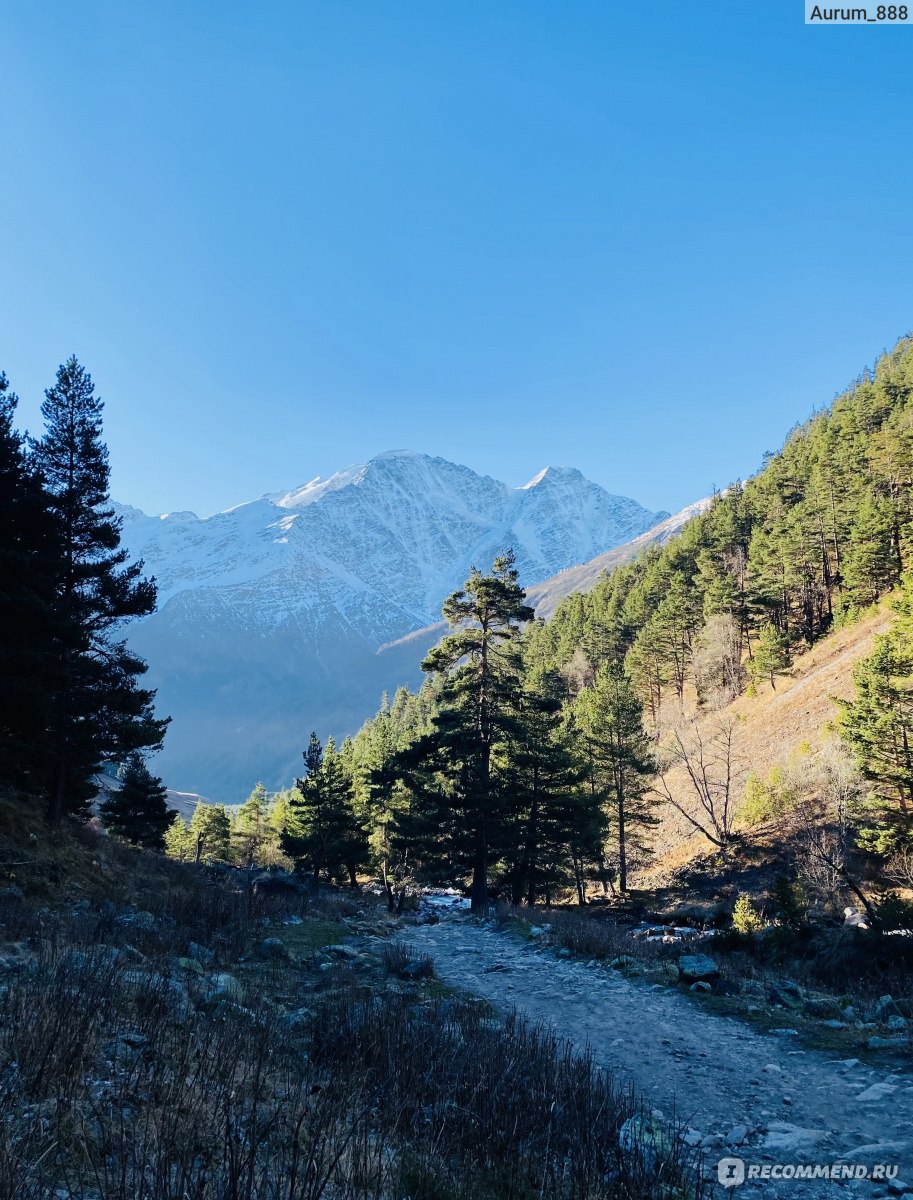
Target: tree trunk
{"points": [[388, 887], [622, 844], [578, 880], [479, 892]]}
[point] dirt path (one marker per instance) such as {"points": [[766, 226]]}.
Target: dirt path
{"points": [[712, 1073]]}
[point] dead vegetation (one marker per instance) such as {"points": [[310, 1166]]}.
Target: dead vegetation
{"points": [[181, 1038]]}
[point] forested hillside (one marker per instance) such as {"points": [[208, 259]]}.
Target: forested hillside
{"points": [[819, 533], [537, 755]]}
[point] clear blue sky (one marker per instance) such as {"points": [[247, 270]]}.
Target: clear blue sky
{"points": [[643, 239]]}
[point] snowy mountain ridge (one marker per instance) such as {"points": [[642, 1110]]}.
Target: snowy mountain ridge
{"points": [[272, 613], [403, 526]]}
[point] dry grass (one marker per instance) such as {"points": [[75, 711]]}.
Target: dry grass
{"points": [[405, 961], [124, 1078], [771, 725]]}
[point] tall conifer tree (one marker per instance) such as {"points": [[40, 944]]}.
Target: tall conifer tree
{"points": [[619, 755], [479, 663], [556, 824], [322, 834], [27, 560], [139, 811], [101, 714]]}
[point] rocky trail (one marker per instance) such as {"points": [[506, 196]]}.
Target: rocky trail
{"points": [[739, 1093]]}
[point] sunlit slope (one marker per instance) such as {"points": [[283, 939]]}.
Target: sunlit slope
{"points": [[768, 728]]}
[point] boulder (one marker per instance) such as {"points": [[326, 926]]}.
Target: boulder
{"points": [[885, 1007], [273, 947], [282, 886], [647, 1137], [341, 951], [228, 986], [897, 1023], [190, 964], [202, 954], [423, 968], [882, 1043], [425, 917], [696, 968], [785, 993], [823, 1006]]}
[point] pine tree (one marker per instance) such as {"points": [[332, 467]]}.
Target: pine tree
{"points": [[210, 831], [556, 827], [383, 796], [180, 843], [870, 564], [771, 655], [672, 628], [251, 829], [619, 756], [100, 712], [877, 725], [139, 811], [27, 560], [322, 834], [479, 668]]}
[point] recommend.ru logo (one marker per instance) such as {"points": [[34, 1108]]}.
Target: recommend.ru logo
{"points": [[733, 1171]]}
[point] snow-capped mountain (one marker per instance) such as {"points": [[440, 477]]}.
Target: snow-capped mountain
{"points": [[271, 614], [546, 595]]}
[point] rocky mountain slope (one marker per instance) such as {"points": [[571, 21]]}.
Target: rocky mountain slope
{"points": [[271, 614], [547, 595]]}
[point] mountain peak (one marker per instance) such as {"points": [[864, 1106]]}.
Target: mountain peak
{"points": [[281, 603], [552, 474], [392, 455]]}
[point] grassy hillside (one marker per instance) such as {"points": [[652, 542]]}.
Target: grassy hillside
{"points": [[769, 728]]}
